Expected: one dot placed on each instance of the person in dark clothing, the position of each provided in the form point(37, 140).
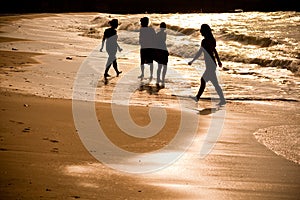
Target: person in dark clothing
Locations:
point(147, 46)
point(208, 47)
point(111, 37)
point(161, 55)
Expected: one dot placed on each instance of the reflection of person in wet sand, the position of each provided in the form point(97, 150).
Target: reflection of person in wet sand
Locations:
point(161, 55)
point(208, 46)
point(147, 43)
point(110, 36)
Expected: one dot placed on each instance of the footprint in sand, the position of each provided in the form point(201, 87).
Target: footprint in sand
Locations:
point(26, 130)
point(54, 150)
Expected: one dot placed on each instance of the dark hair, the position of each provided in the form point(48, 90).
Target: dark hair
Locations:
point(206, 30)
point(144, 21)
point(113, 23)
point(163, 25)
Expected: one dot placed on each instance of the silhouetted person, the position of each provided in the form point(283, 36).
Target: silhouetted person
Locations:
point(161, 54)
point(147, 43)
point(208, 46)
point(111, 37)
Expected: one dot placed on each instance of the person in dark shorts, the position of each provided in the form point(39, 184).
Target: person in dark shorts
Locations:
point(147, 43)
point(208, 47)
point(161, 55)
point(111, 37)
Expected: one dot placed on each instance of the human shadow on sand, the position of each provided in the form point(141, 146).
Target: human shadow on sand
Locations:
point(207, 111)
point(150, 89)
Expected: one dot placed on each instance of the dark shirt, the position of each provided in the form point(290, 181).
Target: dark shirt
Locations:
point(161, 38)
point(109, 32)
point(110, 35)
point(209, 45)
point(147, 38)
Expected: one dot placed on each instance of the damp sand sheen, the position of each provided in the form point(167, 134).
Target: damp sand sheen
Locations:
point(41, 55)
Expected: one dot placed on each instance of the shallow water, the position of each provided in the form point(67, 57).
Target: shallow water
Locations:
point(260, 54)
point(283, 140)
point(260, 51)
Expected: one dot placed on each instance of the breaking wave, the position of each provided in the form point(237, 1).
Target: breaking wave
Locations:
point(181, 42)
point(247, 39)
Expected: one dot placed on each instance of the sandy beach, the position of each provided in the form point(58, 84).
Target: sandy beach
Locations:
point(43, 156)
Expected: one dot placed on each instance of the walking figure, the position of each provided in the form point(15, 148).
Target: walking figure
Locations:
point(147, 46)
point(208, 46)
point(111, 37)
point(161, 55)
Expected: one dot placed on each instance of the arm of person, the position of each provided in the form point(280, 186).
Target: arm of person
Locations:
point(197, 55)
point(217, 57)
point(119, 48)
point(140, 37)
point(102, 45)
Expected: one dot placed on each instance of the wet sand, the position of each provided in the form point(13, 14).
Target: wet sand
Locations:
point(42, 156)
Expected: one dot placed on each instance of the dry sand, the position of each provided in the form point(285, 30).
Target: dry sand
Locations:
point(42, 156)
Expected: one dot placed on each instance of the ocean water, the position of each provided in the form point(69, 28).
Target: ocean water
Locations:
point(260, 54)
point(260, 51)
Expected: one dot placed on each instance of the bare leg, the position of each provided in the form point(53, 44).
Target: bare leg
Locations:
point(142, 71)
point(164, 74)
point(201, 89)
point(110, 60)
point(219, 91)
point(159, 66)
point(151, 71)
point(106, 71)
point(115, 66)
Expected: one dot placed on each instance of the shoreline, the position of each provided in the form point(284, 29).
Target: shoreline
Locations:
point(39, 145)
point(43, 157)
